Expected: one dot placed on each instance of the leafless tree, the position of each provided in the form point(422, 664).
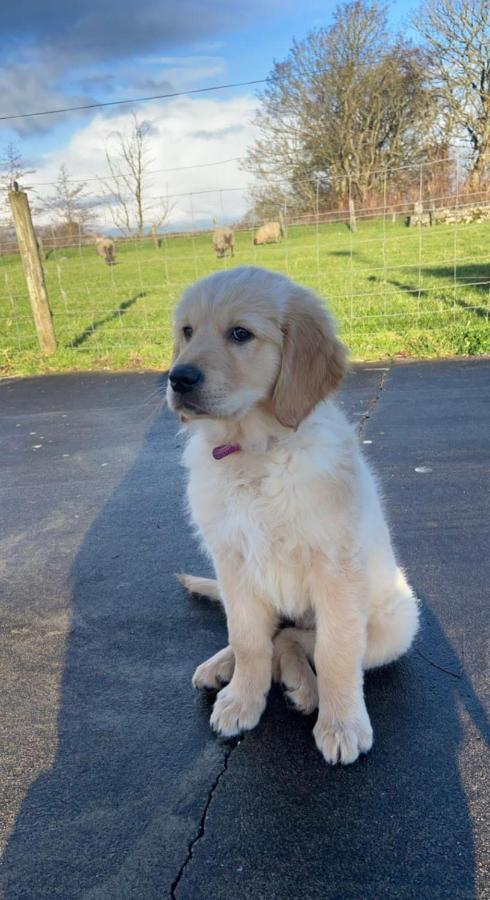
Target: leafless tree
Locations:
point(13, 171)
point(127, 184)
point(69, 207)
point(348, 102)
point(457, 35)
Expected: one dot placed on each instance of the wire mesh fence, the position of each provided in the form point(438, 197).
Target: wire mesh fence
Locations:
point(404, 275)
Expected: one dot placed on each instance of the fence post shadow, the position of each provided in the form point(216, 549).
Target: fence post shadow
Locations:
point(115, 314)
point(483, 287)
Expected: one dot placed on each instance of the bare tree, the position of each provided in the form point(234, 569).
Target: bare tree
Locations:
point(69, 206)
point(348, 102)
point(12, 171)
point(127, 183)
point(457, 35)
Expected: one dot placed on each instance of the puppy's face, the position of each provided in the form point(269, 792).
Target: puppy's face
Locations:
point(248, 337)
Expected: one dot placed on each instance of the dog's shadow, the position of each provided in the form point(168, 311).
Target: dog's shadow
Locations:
point(136, 759)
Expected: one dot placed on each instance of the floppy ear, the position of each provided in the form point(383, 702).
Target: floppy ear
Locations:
point(313, 360)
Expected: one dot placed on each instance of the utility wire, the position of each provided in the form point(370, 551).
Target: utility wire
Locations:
point(218, 162)
point(52, 112)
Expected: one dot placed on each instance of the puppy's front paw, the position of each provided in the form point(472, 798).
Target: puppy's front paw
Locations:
point(215, 672)
point(343, 741)
point(233, 714)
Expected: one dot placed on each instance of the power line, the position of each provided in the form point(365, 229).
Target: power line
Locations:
point(52, 112)
point(218, 162)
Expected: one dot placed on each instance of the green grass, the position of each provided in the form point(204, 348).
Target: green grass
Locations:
point(394, 291)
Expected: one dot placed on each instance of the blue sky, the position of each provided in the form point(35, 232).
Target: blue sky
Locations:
point(58, 53)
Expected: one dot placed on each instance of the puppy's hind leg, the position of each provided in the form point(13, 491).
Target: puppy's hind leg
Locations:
point(292, 647)
point(392, 624)
point(216, 671)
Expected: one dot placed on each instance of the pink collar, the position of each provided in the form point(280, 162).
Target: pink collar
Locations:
point(225, 450)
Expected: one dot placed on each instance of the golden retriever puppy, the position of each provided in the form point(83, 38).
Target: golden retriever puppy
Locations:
point(286, 506)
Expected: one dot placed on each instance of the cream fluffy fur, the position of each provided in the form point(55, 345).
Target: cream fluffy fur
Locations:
point(293, 521)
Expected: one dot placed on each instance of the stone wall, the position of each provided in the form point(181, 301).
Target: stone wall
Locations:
point(463, 215)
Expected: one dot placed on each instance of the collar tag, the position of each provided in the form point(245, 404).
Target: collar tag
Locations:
point(225, 450)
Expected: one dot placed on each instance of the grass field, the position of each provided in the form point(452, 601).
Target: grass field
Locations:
point(394, 291)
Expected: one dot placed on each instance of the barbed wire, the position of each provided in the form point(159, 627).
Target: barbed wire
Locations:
point(326, 176)
point(99, 178)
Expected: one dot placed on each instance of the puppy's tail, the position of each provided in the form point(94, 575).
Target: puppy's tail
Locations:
point(205, 587)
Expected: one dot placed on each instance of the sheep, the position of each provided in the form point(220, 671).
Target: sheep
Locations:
point(106, 248)
point(223, 240)
point(270, 233)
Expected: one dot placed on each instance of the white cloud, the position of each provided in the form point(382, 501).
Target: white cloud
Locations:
point(178, 60)
point(186, 133)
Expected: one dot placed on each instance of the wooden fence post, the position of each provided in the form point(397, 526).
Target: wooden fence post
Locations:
point(157, 241)
point(33, 270)
point(352, 215)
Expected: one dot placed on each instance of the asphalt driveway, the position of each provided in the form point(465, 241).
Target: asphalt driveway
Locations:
point(111, 782)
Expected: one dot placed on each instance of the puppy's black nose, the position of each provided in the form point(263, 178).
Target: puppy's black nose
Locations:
point(185, 378)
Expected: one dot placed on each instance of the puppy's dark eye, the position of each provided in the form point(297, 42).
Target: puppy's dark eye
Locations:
point(240, 335)
point(187, 332)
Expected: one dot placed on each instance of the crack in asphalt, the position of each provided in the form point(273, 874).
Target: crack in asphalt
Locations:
point(229, 750)
point(373, 403)
point(202, 822)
